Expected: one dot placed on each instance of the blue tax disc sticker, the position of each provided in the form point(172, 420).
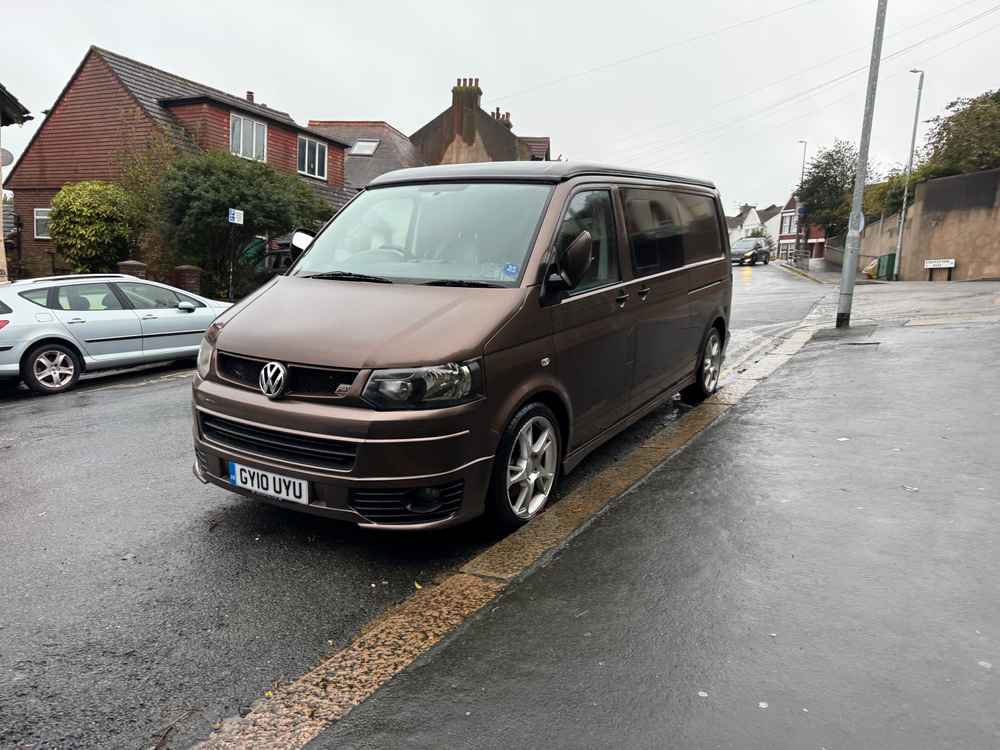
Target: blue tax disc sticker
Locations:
point(510, 270)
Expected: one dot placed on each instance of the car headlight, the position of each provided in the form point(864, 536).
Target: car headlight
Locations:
point(207, 348)
point(425, 387)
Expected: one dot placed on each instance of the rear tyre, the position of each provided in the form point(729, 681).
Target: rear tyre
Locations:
point(51, 368)
point(526, 467)
point(708, 369)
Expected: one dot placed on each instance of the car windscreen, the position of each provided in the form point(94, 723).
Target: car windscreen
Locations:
point(745, 244)
point(462, 232)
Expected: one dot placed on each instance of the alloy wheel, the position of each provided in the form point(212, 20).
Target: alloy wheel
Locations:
point(54, 369)
point(711, 366)
point(531, 467)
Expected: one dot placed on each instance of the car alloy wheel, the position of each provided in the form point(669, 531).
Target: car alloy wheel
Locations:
point(53, 369)
point(711, 365)
point(531, 467)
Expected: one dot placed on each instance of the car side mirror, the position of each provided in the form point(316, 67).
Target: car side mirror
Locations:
point(574, 261)
point(301, 240)
point(185, 306)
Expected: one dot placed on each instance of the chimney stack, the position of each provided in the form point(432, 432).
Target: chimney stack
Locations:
point(250, 96)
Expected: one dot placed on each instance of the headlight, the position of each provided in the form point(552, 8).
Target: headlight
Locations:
point(207, 347)
point(425, 387)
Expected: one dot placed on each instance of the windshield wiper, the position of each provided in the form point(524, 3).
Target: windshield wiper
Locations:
point(348, 276)
point(461, 282)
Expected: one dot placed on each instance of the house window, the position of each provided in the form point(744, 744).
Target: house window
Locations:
point(312, 158)
point(364, 147)
point(247, 138)
point(42, 223)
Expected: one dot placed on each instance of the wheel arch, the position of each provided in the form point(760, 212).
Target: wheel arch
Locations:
point(50, 339)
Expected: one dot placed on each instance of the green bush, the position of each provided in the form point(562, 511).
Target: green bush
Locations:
point(89, 225)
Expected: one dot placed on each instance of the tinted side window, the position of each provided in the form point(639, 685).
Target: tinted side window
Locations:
point(669, 229)
point(702, 240)
point(655, 231)
point(4, 310)
point(147, 296)
point(38, 296)
point(80, 297)
point(592, 211)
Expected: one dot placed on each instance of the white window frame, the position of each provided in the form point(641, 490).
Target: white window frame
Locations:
point(376, 141)
point(326, 146)
point(244, 121)
point(38, 213)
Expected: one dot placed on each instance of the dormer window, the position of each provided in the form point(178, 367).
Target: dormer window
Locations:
point(312, 158)
point(364, 147)
point(247, 138)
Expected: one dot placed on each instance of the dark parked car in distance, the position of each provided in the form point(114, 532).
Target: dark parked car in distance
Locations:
point(751, 250)
point(456, 337)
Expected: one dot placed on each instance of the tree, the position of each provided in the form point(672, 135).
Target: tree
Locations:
point(89, 225)
point(198, 191)
point(826, 189)
point(968, 139)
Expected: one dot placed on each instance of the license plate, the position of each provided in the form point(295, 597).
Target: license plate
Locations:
point(269, 484)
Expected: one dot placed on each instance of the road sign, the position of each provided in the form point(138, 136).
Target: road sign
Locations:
point(6, 158)
point(235, 216)
point(939, 263)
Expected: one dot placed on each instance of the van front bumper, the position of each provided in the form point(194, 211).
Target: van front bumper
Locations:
point(400, 470)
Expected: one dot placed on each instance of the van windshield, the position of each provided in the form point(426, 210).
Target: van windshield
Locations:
point(478, 234)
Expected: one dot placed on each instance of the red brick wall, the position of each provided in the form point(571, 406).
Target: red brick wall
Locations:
point(207, 124)
point(36, 255)
point(81, 138)
point(283, 153)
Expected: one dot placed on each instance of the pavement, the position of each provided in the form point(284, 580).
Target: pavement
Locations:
point(139, 607)
point(817, 569)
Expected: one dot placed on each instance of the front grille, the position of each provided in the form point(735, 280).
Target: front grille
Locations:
point(329, 454)
point(408, 505)
point(304, 381)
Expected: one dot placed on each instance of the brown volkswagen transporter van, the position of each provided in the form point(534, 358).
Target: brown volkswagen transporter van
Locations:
point(458, 336)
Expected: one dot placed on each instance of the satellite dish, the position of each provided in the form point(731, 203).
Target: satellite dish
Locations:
point(6, 158)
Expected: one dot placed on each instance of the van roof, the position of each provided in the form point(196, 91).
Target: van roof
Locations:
point(523, 171)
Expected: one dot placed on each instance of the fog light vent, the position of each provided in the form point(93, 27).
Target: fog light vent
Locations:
point(408, 504)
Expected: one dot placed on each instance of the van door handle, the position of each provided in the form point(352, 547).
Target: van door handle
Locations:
point(71, 321)
point(149, 316)
point(643, 293)
point(621, 299)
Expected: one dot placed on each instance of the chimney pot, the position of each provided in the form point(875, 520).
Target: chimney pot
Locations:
point(458, 81)
point(477, 81)
point(250, 96)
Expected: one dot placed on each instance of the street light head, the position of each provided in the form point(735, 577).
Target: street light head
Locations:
point(916, 70)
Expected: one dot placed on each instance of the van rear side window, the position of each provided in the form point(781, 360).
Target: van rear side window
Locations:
point(38, 296)
point(4, 310)
point(668, 229)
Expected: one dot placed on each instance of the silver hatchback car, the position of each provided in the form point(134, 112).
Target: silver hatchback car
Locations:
point(53, 329)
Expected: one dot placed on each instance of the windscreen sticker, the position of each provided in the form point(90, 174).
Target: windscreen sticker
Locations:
point(510, 270)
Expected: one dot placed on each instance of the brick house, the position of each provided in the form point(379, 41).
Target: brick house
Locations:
point(112, 103)
point(814, 237)
point(462, 133)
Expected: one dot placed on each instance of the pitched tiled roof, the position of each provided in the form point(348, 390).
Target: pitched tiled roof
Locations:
point(766, 214)
point(152, 87)
point(538, 146)
point(11, 110)
point(395, 150)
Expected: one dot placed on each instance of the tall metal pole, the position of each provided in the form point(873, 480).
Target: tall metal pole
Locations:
point(852, 246)
point(802, 176)
point(906, 180)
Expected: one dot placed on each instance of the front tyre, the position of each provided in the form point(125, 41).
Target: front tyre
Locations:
point(708, 370)
point(526, 467)
point(51, 368)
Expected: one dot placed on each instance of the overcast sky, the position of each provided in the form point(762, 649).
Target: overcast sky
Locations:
point(666, 85)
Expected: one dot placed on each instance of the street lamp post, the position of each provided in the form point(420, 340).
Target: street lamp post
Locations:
point(852, 245)
point(906, 180)
point(802, 176)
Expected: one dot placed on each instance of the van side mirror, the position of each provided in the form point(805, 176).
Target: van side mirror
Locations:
point(185, 306)
point(574, 261)
point(301, 240)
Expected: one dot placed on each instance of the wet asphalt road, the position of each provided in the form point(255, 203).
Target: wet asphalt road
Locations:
point(816, 570)
point(134, 599)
